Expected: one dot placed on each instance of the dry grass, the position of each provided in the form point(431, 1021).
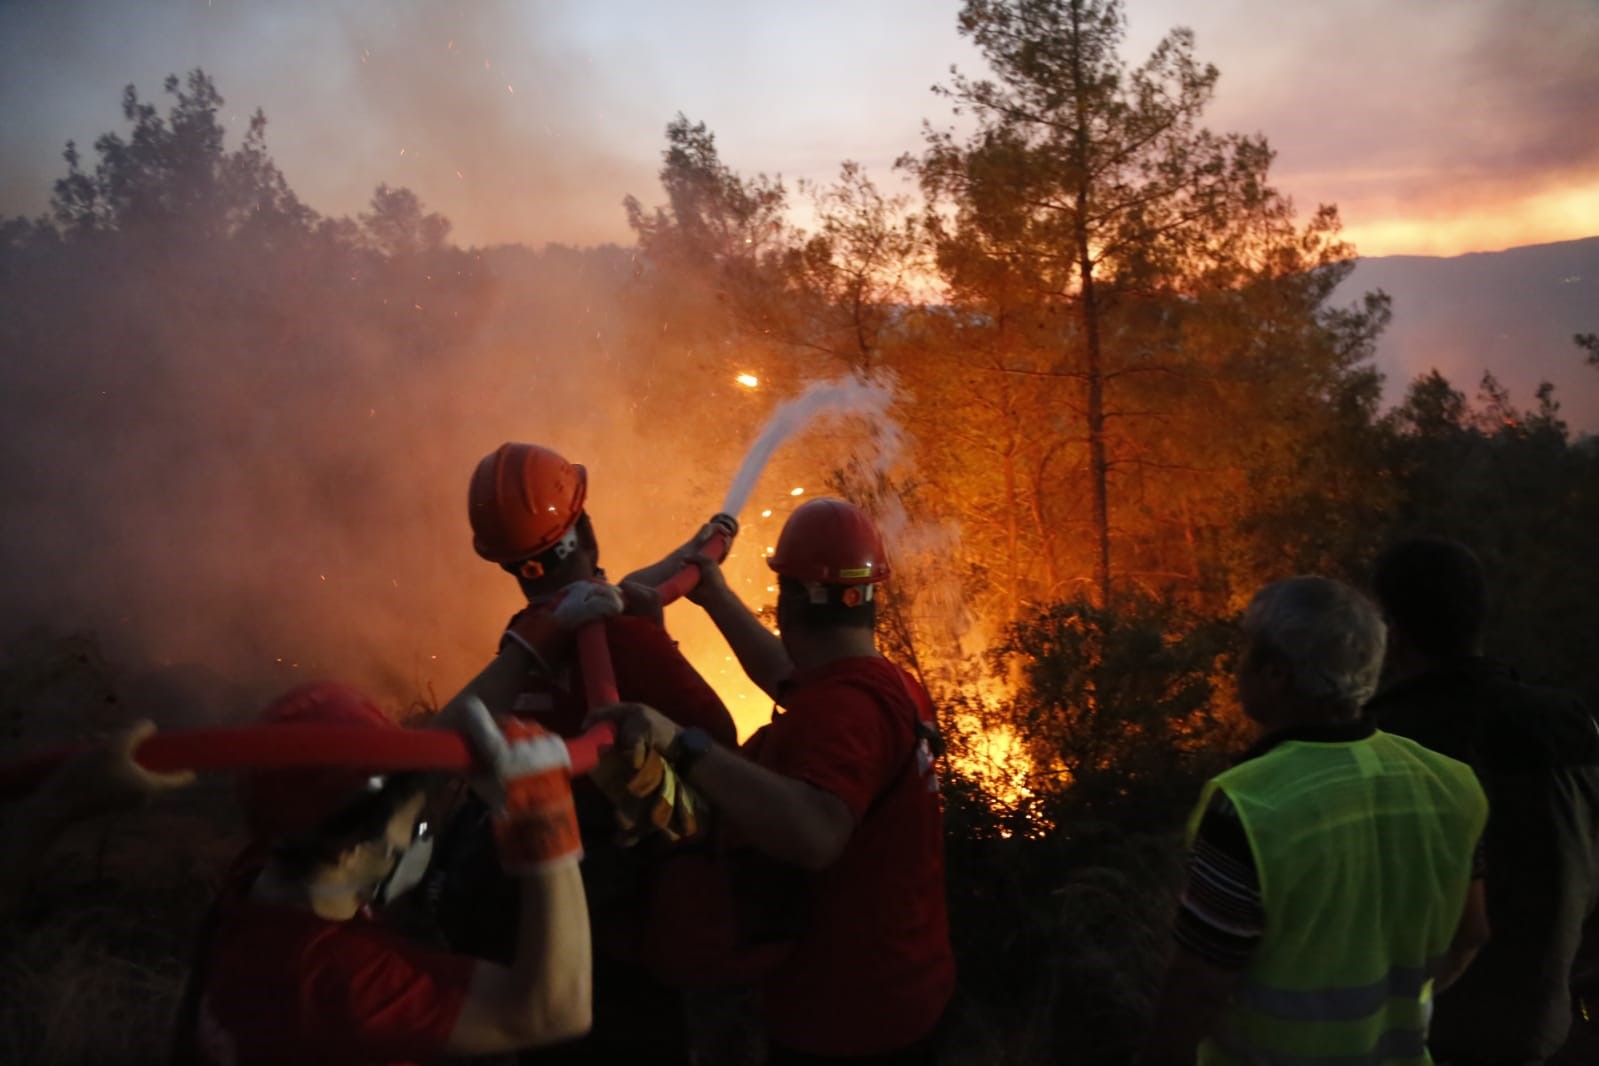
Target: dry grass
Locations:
point(92, 964)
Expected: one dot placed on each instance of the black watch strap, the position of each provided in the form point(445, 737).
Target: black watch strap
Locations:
point(690, 747)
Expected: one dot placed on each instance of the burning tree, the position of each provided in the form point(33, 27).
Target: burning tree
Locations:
point(1103, 254)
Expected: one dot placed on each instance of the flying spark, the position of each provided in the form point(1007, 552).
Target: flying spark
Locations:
point(796, 492)
point(749, 381)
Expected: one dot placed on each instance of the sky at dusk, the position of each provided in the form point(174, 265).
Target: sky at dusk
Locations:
point(1437, 126)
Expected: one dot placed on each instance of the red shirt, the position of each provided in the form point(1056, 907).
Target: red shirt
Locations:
point(649, 669)
point(283, 985)
point(874, 971)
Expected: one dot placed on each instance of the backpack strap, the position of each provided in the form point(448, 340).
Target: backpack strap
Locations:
point(922, 730)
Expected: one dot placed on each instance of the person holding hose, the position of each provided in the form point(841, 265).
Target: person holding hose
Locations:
point(839, 789)
point(527, 507)
point(294, 965)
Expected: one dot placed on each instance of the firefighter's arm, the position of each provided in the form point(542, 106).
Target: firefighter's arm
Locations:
point(545, 995)
point(1192, 997)
point(496, 685)
point(659, 572)
point(788, 819)
point(760, 652)
point(1470, 937)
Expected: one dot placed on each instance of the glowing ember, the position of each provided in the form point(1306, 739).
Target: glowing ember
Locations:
point(749, 381)
point(796, 492)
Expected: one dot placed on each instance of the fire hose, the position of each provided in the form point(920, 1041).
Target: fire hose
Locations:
point(309, 746)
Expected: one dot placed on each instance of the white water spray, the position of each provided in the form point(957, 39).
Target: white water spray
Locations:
point(843, 398)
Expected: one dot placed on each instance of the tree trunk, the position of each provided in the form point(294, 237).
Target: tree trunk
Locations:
point(1012, 531)
point(1098, 463)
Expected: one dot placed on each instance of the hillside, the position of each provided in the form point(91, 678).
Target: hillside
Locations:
point(1511, 312)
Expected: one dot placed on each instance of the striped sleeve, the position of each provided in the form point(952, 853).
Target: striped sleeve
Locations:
point(1220, 916)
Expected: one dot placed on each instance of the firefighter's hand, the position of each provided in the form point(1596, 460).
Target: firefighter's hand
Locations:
point(724, 524)
point(587, 601)
point(721, 524)
point(712, 584)
point(107, 778)
point(637, 726)
point(527, 783)
point(649, 797)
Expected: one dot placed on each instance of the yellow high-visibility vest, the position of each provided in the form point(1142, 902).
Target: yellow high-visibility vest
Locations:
point(1364, 853)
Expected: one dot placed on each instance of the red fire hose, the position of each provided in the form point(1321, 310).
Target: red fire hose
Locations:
point(282, 746)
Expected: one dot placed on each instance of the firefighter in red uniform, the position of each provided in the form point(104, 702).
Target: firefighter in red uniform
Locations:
point(294, 965)
point(840, 788)
point(526, 505)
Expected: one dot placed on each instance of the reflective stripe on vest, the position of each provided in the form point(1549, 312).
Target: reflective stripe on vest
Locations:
point(1341, 1004)
point(1363, 850)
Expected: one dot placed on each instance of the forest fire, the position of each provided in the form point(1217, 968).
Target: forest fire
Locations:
point(1094, 388)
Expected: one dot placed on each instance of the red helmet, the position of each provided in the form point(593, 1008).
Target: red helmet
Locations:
point(284, 803)
point(523, 501)
point(832, 542)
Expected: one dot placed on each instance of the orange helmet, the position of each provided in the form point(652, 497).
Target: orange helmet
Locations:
point(831, 542)
point(285, 803)
point(524, 500)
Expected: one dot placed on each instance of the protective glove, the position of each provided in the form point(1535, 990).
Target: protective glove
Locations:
point(588, 601)
point(528, 787)
point(649, 796)
point(545, 629)
point(724, 524)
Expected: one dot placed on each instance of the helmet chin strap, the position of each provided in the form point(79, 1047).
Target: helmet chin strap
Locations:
point(534, 568)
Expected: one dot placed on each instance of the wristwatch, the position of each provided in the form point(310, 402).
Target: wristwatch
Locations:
point(690, 746)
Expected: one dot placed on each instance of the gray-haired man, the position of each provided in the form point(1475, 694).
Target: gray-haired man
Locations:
point(1331, 885)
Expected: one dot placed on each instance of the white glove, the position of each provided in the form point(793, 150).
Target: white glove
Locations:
point(590, 601)
point(504, 761)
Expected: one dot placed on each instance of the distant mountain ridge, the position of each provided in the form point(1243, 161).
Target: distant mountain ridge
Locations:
point(1511, 312)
